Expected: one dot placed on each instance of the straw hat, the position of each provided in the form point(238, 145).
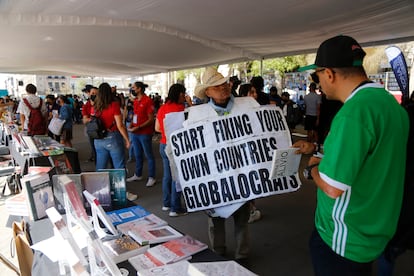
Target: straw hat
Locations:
point(210, 78)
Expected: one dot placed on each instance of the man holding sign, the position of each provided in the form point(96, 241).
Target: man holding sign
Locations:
point(222, 156)
point(216, 87)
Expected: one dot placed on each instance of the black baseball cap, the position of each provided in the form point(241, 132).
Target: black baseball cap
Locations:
point(141, 84)
point(87, 88)
point(338, 52)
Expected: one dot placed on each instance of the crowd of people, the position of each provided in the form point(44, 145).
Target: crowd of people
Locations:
point(344, 117)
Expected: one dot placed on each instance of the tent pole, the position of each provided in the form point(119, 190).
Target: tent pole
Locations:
point(261, 67)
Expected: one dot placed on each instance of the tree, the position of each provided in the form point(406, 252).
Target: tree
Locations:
point(279, 66)
point(181, 75)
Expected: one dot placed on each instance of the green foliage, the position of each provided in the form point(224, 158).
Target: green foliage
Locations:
point(244, 68)
point(278, 66)
point(182, 74)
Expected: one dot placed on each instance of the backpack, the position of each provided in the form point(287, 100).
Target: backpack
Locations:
point(295, 115)
point(130, 114)
point(37, 122)
point(96, 129)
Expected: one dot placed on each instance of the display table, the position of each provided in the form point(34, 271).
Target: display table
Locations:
point(42, 265)
point(45, 156)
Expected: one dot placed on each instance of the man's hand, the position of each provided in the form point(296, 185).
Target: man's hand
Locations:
point(314, 160)
point(304, 147)
point(132, 129)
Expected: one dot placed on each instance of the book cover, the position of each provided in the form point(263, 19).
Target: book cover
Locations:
point(62, 164)
point(97, 183)
point(144, 261)
point(154, 235)
point(30, 145)
point(149, 221)
point(38, 169)
point(123, 248)
point(74, 199)
point(117, 178)
point(39, 194)
point(58, 189)
point(177, 249)
point(219, 268)
point(17, 205)
point(127, 214)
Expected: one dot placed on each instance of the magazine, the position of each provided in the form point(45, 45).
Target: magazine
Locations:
point(154, 235)
point(127, 214)
point(177, 249)
point(170, 252)
point(149, 221)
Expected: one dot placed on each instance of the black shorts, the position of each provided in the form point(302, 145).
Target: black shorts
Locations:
point(310, 122)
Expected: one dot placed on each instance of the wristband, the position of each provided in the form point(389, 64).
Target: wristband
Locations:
point(307, 171)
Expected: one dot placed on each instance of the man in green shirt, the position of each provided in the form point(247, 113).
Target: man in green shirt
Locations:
point(360, 176)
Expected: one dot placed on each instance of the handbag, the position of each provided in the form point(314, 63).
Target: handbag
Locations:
point(95, 128)
point(23, 241)
point(56, 125)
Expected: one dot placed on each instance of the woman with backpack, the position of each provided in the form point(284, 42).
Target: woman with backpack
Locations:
point(32, 110)
point(112, 146)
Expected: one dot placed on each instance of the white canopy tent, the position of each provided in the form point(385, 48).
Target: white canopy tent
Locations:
point(137, 37)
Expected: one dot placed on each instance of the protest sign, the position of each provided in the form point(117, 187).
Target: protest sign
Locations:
point(223, 160)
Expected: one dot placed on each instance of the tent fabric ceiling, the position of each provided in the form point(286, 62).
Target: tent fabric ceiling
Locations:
point(137, 37)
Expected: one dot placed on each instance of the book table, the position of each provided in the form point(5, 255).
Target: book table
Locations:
point(42, 265)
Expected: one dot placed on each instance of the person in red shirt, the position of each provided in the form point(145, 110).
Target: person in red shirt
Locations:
point(142, 128)
point(87, 112)
point(171, 198)
point(111, 146)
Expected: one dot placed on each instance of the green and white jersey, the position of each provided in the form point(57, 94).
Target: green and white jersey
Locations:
point(365, 154)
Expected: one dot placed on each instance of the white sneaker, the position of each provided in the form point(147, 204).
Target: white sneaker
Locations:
point(151, 182)
point(134, 178)
point(131, 196)
point(254, 216)
point(176, 214)
point(165, 208)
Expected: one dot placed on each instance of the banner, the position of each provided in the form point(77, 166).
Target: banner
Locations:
point(399, 67)
point(228, 159)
